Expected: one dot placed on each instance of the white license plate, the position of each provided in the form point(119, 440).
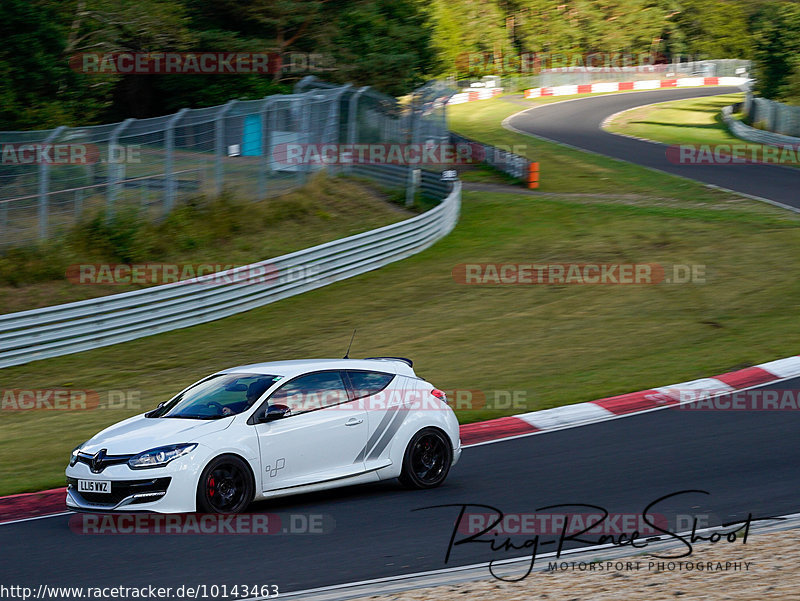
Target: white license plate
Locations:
point(99, 486)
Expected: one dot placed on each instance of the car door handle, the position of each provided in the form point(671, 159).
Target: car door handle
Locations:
point(354, 421)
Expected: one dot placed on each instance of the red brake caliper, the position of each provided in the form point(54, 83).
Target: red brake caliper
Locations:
point(211, 487)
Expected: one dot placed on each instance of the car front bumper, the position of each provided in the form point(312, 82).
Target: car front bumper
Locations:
point(168, 489)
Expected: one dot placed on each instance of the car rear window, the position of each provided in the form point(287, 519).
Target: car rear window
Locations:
point(366, 383)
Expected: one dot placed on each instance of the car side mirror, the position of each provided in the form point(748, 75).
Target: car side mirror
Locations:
point(152, 411)
point(274, 412)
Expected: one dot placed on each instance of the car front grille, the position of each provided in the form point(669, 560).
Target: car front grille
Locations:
point(97, 463)
point(150, 490)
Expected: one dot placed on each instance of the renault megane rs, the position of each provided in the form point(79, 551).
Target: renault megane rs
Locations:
point(269, 430)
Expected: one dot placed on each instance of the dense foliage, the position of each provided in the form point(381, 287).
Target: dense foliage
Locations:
point(393, 45)
point(776, 51)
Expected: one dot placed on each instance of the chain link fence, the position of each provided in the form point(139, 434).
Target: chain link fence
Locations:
point(51, 179)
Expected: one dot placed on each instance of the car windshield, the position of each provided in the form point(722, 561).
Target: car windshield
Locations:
point(218, 396)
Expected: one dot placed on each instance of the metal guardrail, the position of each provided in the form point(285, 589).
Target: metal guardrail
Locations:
point(514, 165)
point(397, 177)
point(772, 116)
point(751, 134)
point(84, 325)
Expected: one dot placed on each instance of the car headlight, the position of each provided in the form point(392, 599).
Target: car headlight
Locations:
point(160, 457)
point(73, 457)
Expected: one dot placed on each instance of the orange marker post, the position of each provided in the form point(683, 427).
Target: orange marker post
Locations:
point(533, 175)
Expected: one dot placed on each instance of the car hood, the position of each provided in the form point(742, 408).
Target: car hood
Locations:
point(138, 434)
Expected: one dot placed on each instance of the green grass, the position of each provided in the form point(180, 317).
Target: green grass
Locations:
point(554, 344)
point(692, 121)
point(564, 170)
point(226, 231)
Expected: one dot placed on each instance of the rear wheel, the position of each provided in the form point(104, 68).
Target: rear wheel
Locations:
point(225, 486)
point(427, 460)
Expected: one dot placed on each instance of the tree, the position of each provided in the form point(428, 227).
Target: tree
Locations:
point(382, 43)
point(712, 29)
point(776, 50)
point(38, 89)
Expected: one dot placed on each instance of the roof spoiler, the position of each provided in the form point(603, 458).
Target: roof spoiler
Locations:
point(408, 362)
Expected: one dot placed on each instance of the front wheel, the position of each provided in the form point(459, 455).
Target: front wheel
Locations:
point(225, 486)
point(427, 460)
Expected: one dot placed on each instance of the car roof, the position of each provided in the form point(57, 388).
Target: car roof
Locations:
point(298, 366)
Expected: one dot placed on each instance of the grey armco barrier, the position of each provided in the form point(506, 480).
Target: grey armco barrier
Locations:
point(751, 134)
point(89, 324)
point(512, 164)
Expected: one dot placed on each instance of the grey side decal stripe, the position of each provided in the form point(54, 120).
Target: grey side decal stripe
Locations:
point(399, 417)
point(377, 433)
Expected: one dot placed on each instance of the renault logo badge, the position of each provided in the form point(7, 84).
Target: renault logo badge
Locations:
point(97, 461)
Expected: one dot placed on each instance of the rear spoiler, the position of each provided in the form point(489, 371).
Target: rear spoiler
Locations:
point(408, 362)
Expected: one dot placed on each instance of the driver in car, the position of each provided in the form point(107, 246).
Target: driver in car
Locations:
point(254, 392)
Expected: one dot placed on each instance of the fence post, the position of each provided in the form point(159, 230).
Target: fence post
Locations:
point(771, 114)
point(44, 186)
point(747, 106)
point(352, 116)
point(335, 116)
point(265, 165)
point(330, 132)
point(414, 178)
point(169, 148)
point(308, 80)
point(219, 144)
point(114, 168)
point(416, 123)
point(352, 119)
point(309, 99)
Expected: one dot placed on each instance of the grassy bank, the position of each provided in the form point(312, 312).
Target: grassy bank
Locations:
point(223, 231)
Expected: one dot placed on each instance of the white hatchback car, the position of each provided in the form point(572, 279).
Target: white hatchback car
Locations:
point(269, 430)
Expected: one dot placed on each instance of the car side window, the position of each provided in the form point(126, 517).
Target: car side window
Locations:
point(367, 383)
point(310, 392)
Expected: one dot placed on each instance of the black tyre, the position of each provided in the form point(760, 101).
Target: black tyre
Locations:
point(225, 486)
point(427, 460)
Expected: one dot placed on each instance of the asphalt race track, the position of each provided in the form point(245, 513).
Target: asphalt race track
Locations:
point(746, 461)
point(577, 123)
